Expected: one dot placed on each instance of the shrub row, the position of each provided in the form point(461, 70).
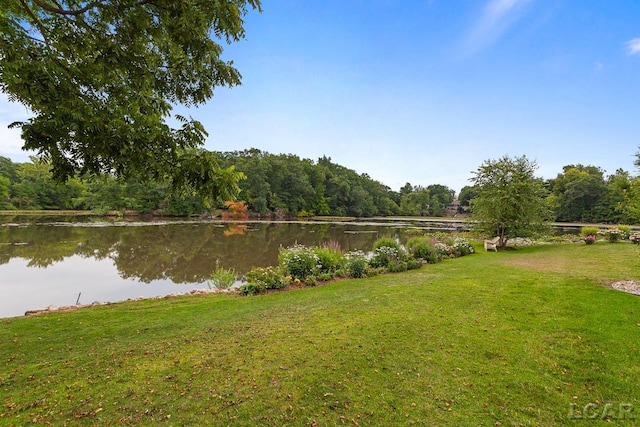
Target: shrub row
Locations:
point(612, 234)
point(306, 266)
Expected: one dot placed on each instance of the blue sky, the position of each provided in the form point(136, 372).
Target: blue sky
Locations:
point(423, 91)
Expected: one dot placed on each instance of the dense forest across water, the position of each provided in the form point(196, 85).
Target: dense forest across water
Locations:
point(284, 185)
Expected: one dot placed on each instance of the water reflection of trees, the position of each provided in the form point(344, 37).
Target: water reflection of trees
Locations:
point(181, 252)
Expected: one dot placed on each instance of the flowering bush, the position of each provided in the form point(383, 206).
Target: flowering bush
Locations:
point(300, 264)
point(462, 247)
point(590, 239)
point(422, 248)
point(356, 263)
point(612, 234)
point(443, 250)
point(635, 237)
point(299, 261)
point(384, 256)
point(267, 277)
point(625, 230)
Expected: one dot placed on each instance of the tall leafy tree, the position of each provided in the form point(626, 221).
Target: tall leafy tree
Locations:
point(416, 202)
point(101, 78)
point(630, 205)
point(610, 206)
point(8, 168)
point(441, 196)
point(4, 193)
point(467, 193)
point(576, 193)
point(7, 176)
point(34, 188)
point(510, 199)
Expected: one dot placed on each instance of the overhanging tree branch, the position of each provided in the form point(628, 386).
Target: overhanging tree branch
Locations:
point(36, 22)
point(105, 83)
point(57, 9)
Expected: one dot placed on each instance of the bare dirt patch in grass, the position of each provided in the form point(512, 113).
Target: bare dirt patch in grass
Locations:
point(543, 262)
point(605, 263)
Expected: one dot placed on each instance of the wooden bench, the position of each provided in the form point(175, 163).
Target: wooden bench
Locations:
point(492, 244)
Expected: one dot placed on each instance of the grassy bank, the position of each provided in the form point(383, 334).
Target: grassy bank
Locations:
point(525, 337)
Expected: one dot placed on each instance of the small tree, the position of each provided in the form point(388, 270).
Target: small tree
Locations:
point(235, 210)
point(510, 200)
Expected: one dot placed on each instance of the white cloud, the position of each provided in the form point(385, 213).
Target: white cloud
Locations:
point(633, 46)
point(497, 17)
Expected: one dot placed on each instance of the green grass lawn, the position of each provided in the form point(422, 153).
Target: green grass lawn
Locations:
point(532, 336)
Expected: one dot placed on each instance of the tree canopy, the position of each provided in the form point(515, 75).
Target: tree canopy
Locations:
point(510, 200)
point(467, 193)
point(630, 205)
point(576, 192)
point(281, 185)
point(284, 184)
point(429, 201)
point(101, 78)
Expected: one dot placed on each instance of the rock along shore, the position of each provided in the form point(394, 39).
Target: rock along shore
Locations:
point(65, 308)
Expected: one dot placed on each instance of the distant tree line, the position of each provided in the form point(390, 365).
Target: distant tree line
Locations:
point(585, 194)
point(281, 185)
point(30, 186)
point(285, 185)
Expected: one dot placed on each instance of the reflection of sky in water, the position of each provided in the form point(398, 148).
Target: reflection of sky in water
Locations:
point(24, 288)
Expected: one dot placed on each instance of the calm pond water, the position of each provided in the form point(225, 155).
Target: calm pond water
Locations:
point(45, 262)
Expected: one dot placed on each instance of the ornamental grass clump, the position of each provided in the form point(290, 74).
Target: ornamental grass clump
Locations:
point(589, 230)
point(388, 242)
point(221, 278)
